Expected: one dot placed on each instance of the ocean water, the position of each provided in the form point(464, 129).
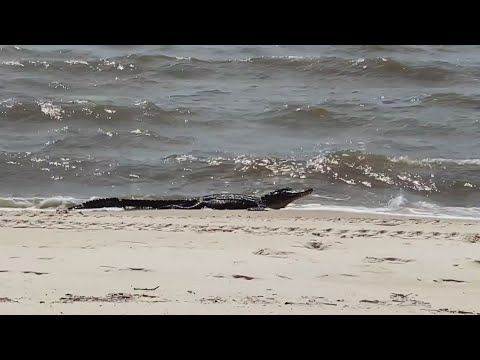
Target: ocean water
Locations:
point(370, 128)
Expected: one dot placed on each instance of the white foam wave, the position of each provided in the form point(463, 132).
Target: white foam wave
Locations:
point(397, 202)
point(13, 63)
point(37, 203)
point(400, 206)
point(54, 111)
point(76, 62)
point(435, 161)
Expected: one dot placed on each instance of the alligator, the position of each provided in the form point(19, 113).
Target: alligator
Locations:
point(276, 199)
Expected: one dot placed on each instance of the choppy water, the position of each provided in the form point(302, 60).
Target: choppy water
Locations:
point(368, 127)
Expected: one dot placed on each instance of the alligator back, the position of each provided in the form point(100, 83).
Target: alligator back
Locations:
point(157, 204)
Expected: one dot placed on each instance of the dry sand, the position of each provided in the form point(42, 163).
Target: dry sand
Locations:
point(236, 262)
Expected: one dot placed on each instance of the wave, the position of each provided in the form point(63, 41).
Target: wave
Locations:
point(86, 111)
point(62, 161)
point(453, 100)
point(423, 175)
point(186, 67)
point(372, 67)
point(71, 66)
point(129, 65)
point(37, 202)
point(354, 168)
point(302, 117)
point(438, 161)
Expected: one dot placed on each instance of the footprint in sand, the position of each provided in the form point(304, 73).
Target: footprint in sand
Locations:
point(391, 260)
point(450, 280)
point(34, 272)
point(136, 269)
point(5, 300)
point(284, 277)
point(108, 268)
point(245, 277)
point(473, 238)
point(316, 245)
point(348, 275)
point(273, 253)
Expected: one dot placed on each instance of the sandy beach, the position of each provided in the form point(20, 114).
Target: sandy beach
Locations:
point(236, 262)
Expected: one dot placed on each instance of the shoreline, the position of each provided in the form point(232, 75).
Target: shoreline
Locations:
point(288, 212)
point(237, 262)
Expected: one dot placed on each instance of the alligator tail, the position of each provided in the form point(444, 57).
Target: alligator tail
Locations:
point(98, 203)
point(134, 203)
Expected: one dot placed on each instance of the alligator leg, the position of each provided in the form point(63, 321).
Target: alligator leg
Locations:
point(197, 206)
point(258, 208)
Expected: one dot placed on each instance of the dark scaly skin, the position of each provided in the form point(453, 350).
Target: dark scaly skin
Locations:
point(226, 202)
point(276, 199)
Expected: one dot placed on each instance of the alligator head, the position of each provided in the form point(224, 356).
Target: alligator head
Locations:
point(280, 198)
